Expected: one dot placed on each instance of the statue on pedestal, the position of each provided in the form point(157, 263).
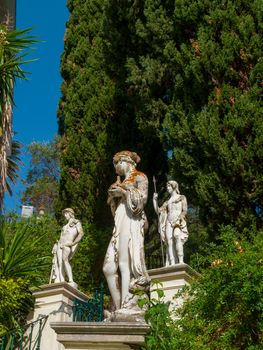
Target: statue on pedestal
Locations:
point(172, 223)
point(124, 264)
point(65, 248)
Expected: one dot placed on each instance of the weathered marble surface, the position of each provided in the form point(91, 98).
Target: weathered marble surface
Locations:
point(101, 336)
point(64, 249)
point(171, 280)
point(172, 223)
point(56, 302)
point(124, 265)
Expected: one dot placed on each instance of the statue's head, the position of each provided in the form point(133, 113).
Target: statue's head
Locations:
point(173, 185)
point(68, 213)
point(126, 156)
point(125, 160)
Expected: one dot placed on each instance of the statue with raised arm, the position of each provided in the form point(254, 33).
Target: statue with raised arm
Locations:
point(172, 223)
point(124, 264)
point(65, 248)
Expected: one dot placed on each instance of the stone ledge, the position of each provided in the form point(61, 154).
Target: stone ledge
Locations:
point(173, 279)
point(59, 288)
point(176, 271)
point(75, 335)
point(100, 327)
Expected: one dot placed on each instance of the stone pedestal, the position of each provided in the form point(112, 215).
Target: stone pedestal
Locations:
point(100, 336)
point(60, 333)
point(54, 300)
point(173, 278)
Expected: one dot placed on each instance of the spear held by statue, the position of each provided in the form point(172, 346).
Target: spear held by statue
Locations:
point(157, 212)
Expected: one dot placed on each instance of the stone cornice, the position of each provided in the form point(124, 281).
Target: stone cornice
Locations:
point(59, 288)
point(176, 271)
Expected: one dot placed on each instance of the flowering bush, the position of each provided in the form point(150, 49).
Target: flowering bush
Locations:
point(224, 306)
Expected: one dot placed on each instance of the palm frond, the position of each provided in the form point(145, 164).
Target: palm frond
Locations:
point(20, 39)
point(13, 49)
point(17, 258)
point(14, 46)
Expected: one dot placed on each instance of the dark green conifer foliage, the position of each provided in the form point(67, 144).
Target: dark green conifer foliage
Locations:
point(85, 109)
point(182, 79)
point(97, 114)
point(121, 43)
point(200, 79)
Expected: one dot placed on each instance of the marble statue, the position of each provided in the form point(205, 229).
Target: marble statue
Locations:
point(172, 223)
point(124, 264)
point(64, 249)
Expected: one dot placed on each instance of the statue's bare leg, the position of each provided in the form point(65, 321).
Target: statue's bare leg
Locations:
point(110, 269)
point(169, 239)
point(124, 265)
point(65, 255)
point(68, 269)
point(179, 246)
point(60, 265)
point(56, 270)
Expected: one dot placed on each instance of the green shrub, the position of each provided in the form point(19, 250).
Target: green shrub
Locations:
point(223, 308)
point(15, 302)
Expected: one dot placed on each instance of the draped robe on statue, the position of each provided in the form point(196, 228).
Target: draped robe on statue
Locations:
point(130, 219)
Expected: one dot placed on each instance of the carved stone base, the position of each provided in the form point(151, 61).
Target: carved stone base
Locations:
point(173, 278)
point(128, 315)
point(100, 336)
point(54, 300)
point(130, 311)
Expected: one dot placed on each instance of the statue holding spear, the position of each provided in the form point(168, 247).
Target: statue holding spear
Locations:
point(172, 222)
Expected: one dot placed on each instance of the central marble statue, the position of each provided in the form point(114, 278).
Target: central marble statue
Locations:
point(124, 264)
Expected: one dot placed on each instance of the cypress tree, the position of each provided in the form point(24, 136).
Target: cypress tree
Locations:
point(201, 81)
point(85, 109)
point(97, 113)
point(179, 80)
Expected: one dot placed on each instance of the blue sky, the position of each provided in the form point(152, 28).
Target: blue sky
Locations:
point(34, 116)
